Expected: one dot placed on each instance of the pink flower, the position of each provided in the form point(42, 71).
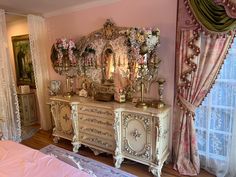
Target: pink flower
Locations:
point(65, 47)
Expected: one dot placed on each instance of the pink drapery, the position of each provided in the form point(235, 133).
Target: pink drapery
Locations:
point(198, 62)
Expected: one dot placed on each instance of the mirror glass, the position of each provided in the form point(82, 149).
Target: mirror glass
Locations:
point(108, 61)
point(104, 57)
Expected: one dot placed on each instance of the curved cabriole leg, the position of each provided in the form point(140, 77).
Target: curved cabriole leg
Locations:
point(155, 170)
point(118, 161)
point(76, 147)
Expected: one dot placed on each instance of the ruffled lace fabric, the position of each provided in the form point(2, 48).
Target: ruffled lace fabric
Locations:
point(9, 109)
point(39, 54)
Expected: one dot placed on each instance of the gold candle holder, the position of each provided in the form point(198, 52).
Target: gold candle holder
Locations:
point(69, 86)
point(69, 79)
point(141, 103)
point(160, 103)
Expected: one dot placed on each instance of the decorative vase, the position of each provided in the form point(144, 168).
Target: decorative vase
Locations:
point(55, 87)
point(160, 103)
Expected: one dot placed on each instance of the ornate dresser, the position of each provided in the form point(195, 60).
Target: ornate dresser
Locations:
point(114, 63)
point(119, 129)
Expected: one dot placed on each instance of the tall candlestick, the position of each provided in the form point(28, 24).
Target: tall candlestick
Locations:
point(141, 103)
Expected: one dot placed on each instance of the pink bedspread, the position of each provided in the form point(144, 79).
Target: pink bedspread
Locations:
point(17, 160)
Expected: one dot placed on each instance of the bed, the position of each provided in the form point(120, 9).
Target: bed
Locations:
point(17, 160)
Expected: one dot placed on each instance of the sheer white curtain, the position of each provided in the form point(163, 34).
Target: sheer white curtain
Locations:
point(216, 122)
point(232, 158)
point(39, 51)
point(9, 109)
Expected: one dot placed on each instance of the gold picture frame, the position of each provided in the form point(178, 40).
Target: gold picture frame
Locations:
point(23, 61)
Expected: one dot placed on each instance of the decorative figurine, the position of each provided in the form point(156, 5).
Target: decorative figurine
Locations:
point(120, 96)
point(83, 92)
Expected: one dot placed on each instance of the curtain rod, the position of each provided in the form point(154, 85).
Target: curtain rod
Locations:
point(14, 13)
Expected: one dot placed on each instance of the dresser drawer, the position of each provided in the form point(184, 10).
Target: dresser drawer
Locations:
point(106, 145)
point(97, 131)
point(96, 112)
point(92, 120)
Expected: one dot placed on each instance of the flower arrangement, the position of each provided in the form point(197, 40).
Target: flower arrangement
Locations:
point(64, 51)
point(143, 41)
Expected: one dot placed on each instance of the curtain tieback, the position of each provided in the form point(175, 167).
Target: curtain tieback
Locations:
point(187, 104)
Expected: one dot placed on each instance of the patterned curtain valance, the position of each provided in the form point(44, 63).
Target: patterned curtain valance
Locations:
point(229, 5)
point(211, 17)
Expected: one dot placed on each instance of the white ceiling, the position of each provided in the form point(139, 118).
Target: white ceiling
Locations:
point(42, 7)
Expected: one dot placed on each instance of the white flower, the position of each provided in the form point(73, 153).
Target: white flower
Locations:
point(143, 38)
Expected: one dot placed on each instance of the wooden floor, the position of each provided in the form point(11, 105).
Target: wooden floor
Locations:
point(44, 138)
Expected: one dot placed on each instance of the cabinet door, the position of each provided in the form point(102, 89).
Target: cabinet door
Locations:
point(61, 113)
point(27, 107)
point(64, 121)
point(136, 136)
point(32, 108)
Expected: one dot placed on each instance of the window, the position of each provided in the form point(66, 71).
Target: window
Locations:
point(214, 118)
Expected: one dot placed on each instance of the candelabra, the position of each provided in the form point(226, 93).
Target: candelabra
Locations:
point(141, 103)
point(66, 68)
point(160, 103)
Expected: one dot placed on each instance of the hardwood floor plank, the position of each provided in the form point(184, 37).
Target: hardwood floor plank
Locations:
point(44, 138)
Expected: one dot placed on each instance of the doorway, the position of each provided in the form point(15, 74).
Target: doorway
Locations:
point(19, 54)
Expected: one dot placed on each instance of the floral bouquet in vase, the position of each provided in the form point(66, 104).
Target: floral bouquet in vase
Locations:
point(143, 42)
point(64, 52)
point(64, 56)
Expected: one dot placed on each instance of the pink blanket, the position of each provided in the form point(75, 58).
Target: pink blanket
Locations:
point(17, 160)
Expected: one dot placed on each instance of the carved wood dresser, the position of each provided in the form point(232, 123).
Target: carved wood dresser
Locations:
point(119, 129)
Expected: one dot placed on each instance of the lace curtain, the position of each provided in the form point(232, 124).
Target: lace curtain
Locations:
point(216, 123)
point(9, 110)
point(39, 52)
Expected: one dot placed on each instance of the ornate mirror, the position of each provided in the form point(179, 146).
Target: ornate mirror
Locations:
point(111, 57)
point(104, 58)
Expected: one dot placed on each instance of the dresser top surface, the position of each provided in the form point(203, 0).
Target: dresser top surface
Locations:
point(108, 105)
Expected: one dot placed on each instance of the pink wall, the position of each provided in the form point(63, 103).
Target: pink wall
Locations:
point(130, 13)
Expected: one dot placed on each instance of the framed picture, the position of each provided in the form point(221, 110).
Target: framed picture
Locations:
point(23, 61)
